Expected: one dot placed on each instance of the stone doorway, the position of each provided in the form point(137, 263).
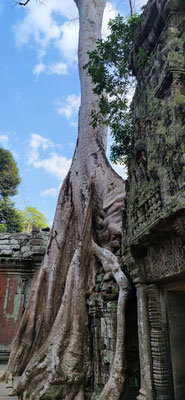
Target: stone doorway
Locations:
point(176, 321)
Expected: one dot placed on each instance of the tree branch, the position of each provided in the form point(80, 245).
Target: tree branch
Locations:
point(24, 4)
point(131, 7)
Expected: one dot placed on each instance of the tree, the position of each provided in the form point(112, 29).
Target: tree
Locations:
point(32, 217)
point(9, 174)
point(52, 346)
point(10, 217)
point(110, 70)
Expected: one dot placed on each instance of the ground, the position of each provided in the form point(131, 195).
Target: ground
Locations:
point(4, 390)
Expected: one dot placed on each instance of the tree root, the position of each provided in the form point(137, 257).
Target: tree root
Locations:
point(67, 338)
point(115, 384)
point(62, 365)
point(35, 383)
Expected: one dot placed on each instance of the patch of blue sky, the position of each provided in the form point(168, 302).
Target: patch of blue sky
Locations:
point(40, 94)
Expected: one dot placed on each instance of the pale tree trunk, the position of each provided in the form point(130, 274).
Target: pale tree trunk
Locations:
point(51, 349)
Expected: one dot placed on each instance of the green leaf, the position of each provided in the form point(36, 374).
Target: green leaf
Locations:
point(109, 68)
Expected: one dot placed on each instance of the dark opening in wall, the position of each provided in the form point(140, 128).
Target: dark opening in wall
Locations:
point(165, 90)
point(184, 49)
point(139, 252)
point(132, 379)
point(176, 312)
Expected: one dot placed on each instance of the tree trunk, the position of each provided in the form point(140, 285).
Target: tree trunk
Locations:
point(51, 349)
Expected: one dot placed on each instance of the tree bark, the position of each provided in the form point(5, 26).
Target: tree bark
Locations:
point(51, 349)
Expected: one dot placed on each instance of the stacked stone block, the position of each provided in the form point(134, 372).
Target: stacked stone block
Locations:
point(102, 310)
point(20, 257)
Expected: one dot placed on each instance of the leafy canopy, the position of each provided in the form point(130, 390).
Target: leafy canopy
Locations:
point(9, 174)
point(31, 217)
point(11, 219)
point(111, 75)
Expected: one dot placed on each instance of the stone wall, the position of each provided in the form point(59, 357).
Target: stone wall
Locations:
point(23, 246)
point(102, 311)
point(155, 222)
point(156, 183)
point(20, 257)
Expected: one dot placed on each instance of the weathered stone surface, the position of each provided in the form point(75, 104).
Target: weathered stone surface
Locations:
point(23, 245)
point(155, 223)
point(20, 258)
point(102, 310)
point(156, 181)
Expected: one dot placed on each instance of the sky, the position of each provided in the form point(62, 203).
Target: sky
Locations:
point(40, 93)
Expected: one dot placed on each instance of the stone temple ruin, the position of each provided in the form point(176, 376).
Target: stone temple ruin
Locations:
point(154, 217)
point(20, 258)
point(155, 223)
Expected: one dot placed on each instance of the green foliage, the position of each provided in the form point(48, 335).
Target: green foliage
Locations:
point(111, 75)
point(13, 220)
point(31, 217)
point(10, 217)
point(2, 228)
point(9, 175)
point(142, 55)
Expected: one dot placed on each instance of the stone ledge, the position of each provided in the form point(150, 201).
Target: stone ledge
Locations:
point(23, 246)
